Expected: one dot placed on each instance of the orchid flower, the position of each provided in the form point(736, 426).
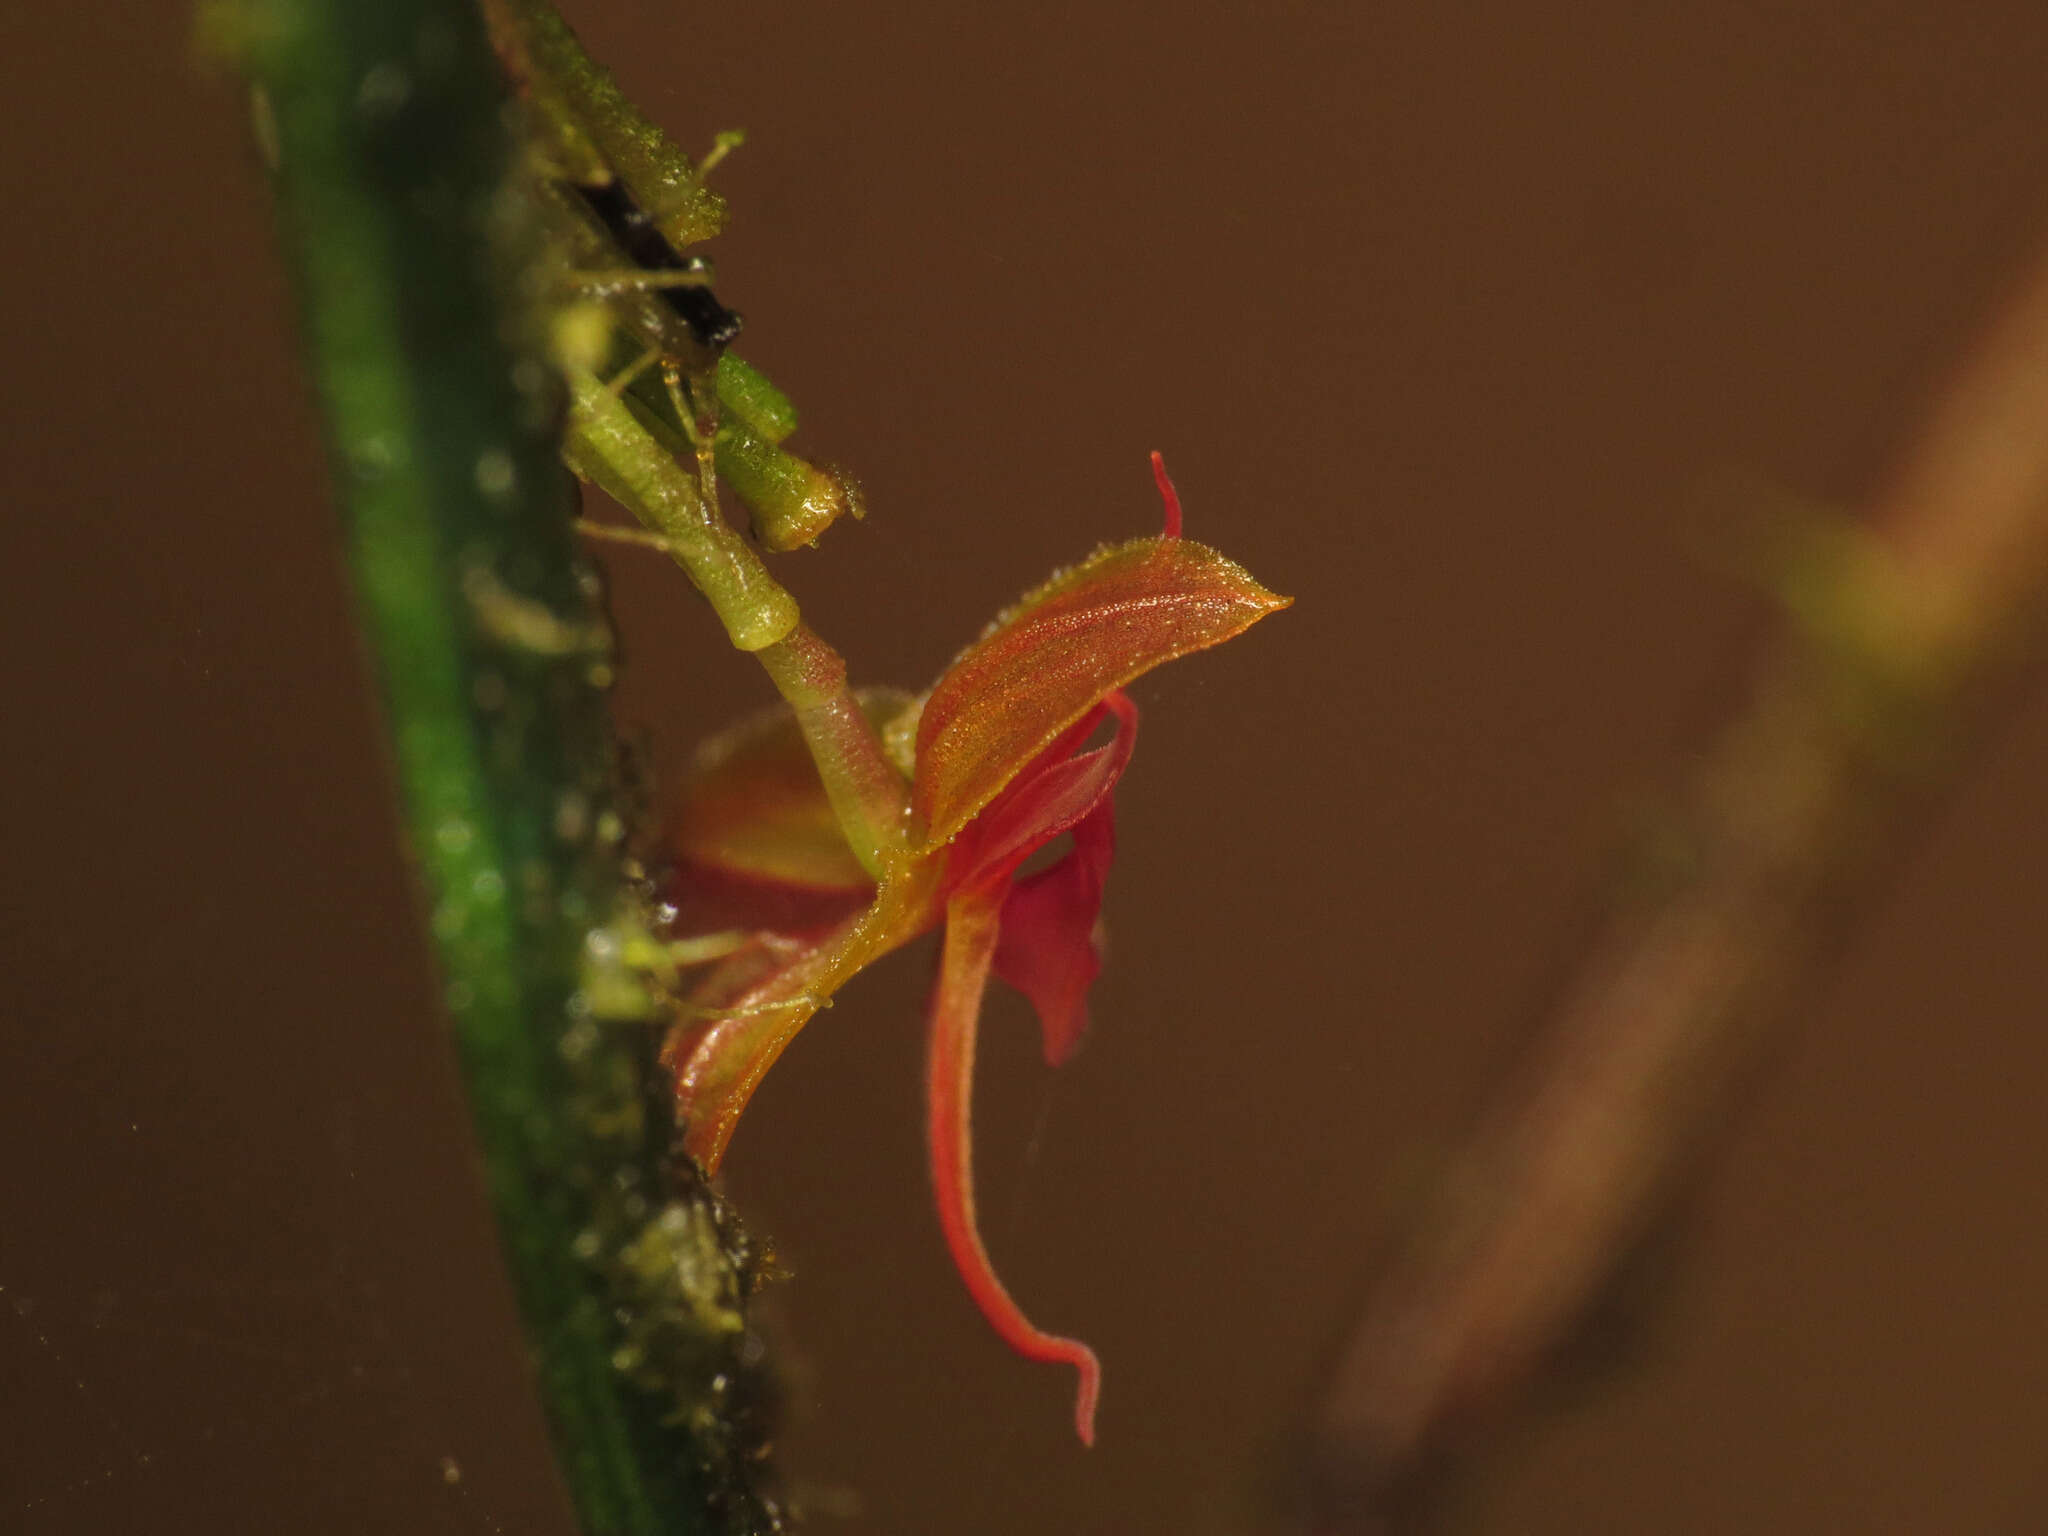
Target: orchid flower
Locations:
point(996, 773)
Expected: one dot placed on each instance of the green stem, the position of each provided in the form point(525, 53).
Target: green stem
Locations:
point(386, 122)
point(868, 795)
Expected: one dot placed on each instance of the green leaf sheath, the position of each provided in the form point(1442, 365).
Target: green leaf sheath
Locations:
point(385, 121)
point(592, 122)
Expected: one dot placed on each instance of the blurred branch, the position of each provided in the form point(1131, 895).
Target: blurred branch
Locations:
point(1852, 714)
point(386, 125)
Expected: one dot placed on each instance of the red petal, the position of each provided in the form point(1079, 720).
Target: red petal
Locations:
point(971, 919)
point(1121, 612)
point(1047, 949)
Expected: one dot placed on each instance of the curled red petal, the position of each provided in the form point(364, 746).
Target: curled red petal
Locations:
point(971, 921)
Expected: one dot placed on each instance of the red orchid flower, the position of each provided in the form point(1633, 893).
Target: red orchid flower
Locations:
point(996, 774)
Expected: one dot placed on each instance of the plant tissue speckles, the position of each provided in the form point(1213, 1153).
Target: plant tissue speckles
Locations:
point(527, 624)
point(497, 477)
point(384, 91)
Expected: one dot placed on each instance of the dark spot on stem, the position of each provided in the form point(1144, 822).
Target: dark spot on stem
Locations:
point(647, 247)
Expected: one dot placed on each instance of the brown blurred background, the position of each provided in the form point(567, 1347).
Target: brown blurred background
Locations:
point(1443, 317)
